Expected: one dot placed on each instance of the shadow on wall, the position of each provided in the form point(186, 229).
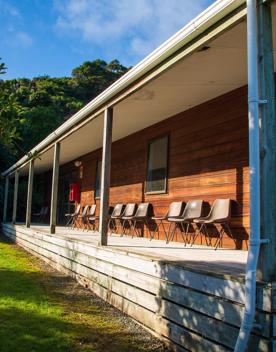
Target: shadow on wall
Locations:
point(177, 231)
point(202, 311)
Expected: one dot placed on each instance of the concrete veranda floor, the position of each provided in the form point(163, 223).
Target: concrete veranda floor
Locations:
point(202, 258)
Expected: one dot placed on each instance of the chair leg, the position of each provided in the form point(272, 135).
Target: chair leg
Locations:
point(152, 233)
point(207, 236)
point(133, 227)
point(114, 222)
point(68, 221)
point(184, 232)
point(73, 223)
point(146, 223)
point(221, 233)
point(198, 232)
point(128, 233)
point(123, 228)
point(120, 228)
point(108, 226)
point(169, 232)
point(174, 231)
point(230, 233)
point(219, 240)
point(135, 230)
point(165, 232)
point(87, 224)
point(76, 223)
point(91, 225)
point(187, 232)
point(114, 225)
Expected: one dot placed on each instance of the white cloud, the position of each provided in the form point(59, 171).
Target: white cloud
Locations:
point(24, 39)
point(134, 27)
point(8, 9)
point(18, 39)
point(14, 34)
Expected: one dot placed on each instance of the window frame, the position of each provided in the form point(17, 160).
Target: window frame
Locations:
point(95, 187)
point(150, 141)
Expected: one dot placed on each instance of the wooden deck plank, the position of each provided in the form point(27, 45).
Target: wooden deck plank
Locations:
point(222, 261)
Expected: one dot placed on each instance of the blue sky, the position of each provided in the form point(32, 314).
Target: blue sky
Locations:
point(51, 37)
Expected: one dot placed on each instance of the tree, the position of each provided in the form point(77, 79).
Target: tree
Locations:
point(3, 68)
point(32, 108)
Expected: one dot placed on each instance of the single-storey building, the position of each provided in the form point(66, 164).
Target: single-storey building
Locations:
point(195, 120)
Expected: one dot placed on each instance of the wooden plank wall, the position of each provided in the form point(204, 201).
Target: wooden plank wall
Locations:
point(191, 310)
point(208, 159)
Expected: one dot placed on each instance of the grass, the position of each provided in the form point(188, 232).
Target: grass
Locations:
point(42, 310)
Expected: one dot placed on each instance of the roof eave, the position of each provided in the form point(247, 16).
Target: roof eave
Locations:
point(206, 19)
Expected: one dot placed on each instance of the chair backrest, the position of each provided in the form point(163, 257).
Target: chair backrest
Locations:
point(85, 210)
point(142, 210)
point(130, 209)
point(92, 210)
point(78, 208)
point(193, 209)
point(175, 209)
point(221, 209)
point(41, 212)
point(118, 209)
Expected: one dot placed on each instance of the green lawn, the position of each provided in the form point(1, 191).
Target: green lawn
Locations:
point(42, 310)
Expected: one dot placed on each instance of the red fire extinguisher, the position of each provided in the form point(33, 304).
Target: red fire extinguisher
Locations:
point(74, 194)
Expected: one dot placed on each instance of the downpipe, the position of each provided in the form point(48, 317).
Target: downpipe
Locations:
point(254, 167)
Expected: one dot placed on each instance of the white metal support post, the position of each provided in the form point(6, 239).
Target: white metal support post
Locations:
point(30, 193)
point(15, 196)
point(105, 179)
point(54, 195)
point(6, 199)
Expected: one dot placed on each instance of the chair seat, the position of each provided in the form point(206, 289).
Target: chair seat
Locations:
point(93, 218)
point(127, 217)
point(69, 214)
point(180, 219)
point(176, 219)
point(159, 218)
point(210, 221)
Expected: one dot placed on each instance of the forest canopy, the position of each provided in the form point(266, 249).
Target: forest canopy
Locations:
point(30, 109)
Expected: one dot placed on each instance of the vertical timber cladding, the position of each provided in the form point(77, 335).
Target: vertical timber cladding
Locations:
point(208, 159)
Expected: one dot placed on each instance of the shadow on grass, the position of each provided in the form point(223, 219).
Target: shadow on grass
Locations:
point(47, 311)
point(24, 330)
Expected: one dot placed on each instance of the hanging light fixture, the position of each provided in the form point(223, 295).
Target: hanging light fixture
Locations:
point(77, 163)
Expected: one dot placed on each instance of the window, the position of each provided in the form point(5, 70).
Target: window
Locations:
point(157, 166)
point(98, 179)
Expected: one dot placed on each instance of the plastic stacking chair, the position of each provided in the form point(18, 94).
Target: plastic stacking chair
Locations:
point(72, 217)
point(141, 216)
point(92, 218)
point(44, 214)
point(116, 216)
point(174, 211)
point(127, 217)
point(39, 214)
point(81, 217)
point(220, 214)
point(192, 211)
